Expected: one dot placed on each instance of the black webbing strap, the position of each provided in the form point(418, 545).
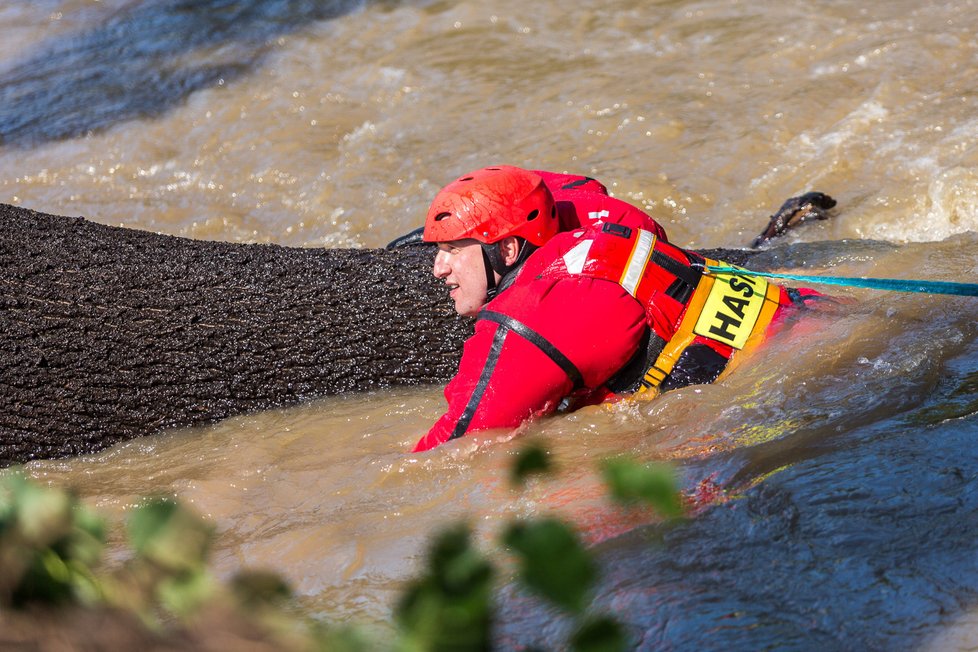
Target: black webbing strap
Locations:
point(686, 273)
point(506, 325)
point(490, 276)
point(687, 278)
point(480, 387)
point(539, 341)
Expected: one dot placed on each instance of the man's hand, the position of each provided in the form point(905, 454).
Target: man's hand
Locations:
point(795, 211)
point(411, 239)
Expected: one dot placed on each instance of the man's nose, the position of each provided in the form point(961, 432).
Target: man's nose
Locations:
point(441, 268)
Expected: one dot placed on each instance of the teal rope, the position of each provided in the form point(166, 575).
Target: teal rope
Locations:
point(894, 284)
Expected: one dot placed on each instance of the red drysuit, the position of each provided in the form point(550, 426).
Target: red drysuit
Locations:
point(590, 311)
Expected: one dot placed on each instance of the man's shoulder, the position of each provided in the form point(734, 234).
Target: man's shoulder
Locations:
point(566, 253)
point(562, 183)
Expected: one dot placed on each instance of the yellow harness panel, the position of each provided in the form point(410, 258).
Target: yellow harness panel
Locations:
point(728, 308)
point(732, 309)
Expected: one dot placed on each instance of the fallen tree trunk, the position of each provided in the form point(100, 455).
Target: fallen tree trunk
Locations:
point(111, 333)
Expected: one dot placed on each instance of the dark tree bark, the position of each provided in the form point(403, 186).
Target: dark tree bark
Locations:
point(108, 334)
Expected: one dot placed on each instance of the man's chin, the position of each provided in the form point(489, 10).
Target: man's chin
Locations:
point(467, 310)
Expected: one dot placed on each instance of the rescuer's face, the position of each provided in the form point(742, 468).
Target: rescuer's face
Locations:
point(461, 266)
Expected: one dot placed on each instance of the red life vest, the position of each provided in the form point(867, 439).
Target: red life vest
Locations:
point(683, 306)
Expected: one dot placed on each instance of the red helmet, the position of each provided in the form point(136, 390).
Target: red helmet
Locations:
point(491, 204)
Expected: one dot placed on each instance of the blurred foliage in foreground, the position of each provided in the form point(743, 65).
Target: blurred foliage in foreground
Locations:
point(164, 597)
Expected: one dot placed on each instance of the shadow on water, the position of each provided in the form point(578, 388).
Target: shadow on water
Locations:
point(863, 541)
point(142, 62)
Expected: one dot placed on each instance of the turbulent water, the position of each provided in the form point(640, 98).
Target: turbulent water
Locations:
point(846, 445)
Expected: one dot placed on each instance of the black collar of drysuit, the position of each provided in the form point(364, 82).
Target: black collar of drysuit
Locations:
point(493, 263)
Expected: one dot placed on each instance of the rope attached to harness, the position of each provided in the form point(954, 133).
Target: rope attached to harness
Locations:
point(892, 284)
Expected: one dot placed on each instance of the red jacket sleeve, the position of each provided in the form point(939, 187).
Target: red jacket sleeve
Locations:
point(502, 381)
point(517, 367)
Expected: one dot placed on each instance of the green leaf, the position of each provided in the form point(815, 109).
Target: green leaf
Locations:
point(346, 638)
point(184, 594)
point(43, 514)
point(602, 634)
point(46, 580)
point(652, 484)
point(87, 540)
point(48, 542)
point(8, 504)
point(449, 607)
point(166, 533)
point(531, 459)
point(86, 587)
point(553, 562)
point(55, 567)
point(260, 588)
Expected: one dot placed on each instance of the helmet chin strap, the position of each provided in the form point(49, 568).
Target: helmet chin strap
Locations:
point(490, 272)
point(492, 259)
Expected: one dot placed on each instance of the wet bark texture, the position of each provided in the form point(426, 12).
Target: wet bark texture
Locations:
point(109, 333)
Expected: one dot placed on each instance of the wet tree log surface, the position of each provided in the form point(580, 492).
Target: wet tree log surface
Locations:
point(111, 333)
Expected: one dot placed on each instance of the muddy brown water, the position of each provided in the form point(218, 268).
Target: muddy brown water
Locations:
point(332, 125)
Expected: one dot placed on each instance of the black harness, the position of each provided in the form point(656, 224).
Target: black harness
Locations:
point(509, 325)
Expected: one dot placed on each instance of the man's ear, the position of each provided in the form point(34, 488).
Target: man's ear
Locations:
point(509, 249)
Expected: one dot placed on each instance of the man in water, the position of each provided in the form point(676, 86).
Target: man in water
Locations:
point(578, 297)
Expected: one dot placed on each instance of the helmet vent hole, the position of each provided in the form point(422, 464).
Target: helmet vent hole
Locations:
point(441, 216)
point(533, 215)
point(553, 211)
point(466, 178)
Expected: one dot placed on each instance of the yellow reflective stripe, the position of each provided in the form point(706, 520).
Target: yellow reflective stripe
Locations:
point(771, 304)
point(638, 260)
